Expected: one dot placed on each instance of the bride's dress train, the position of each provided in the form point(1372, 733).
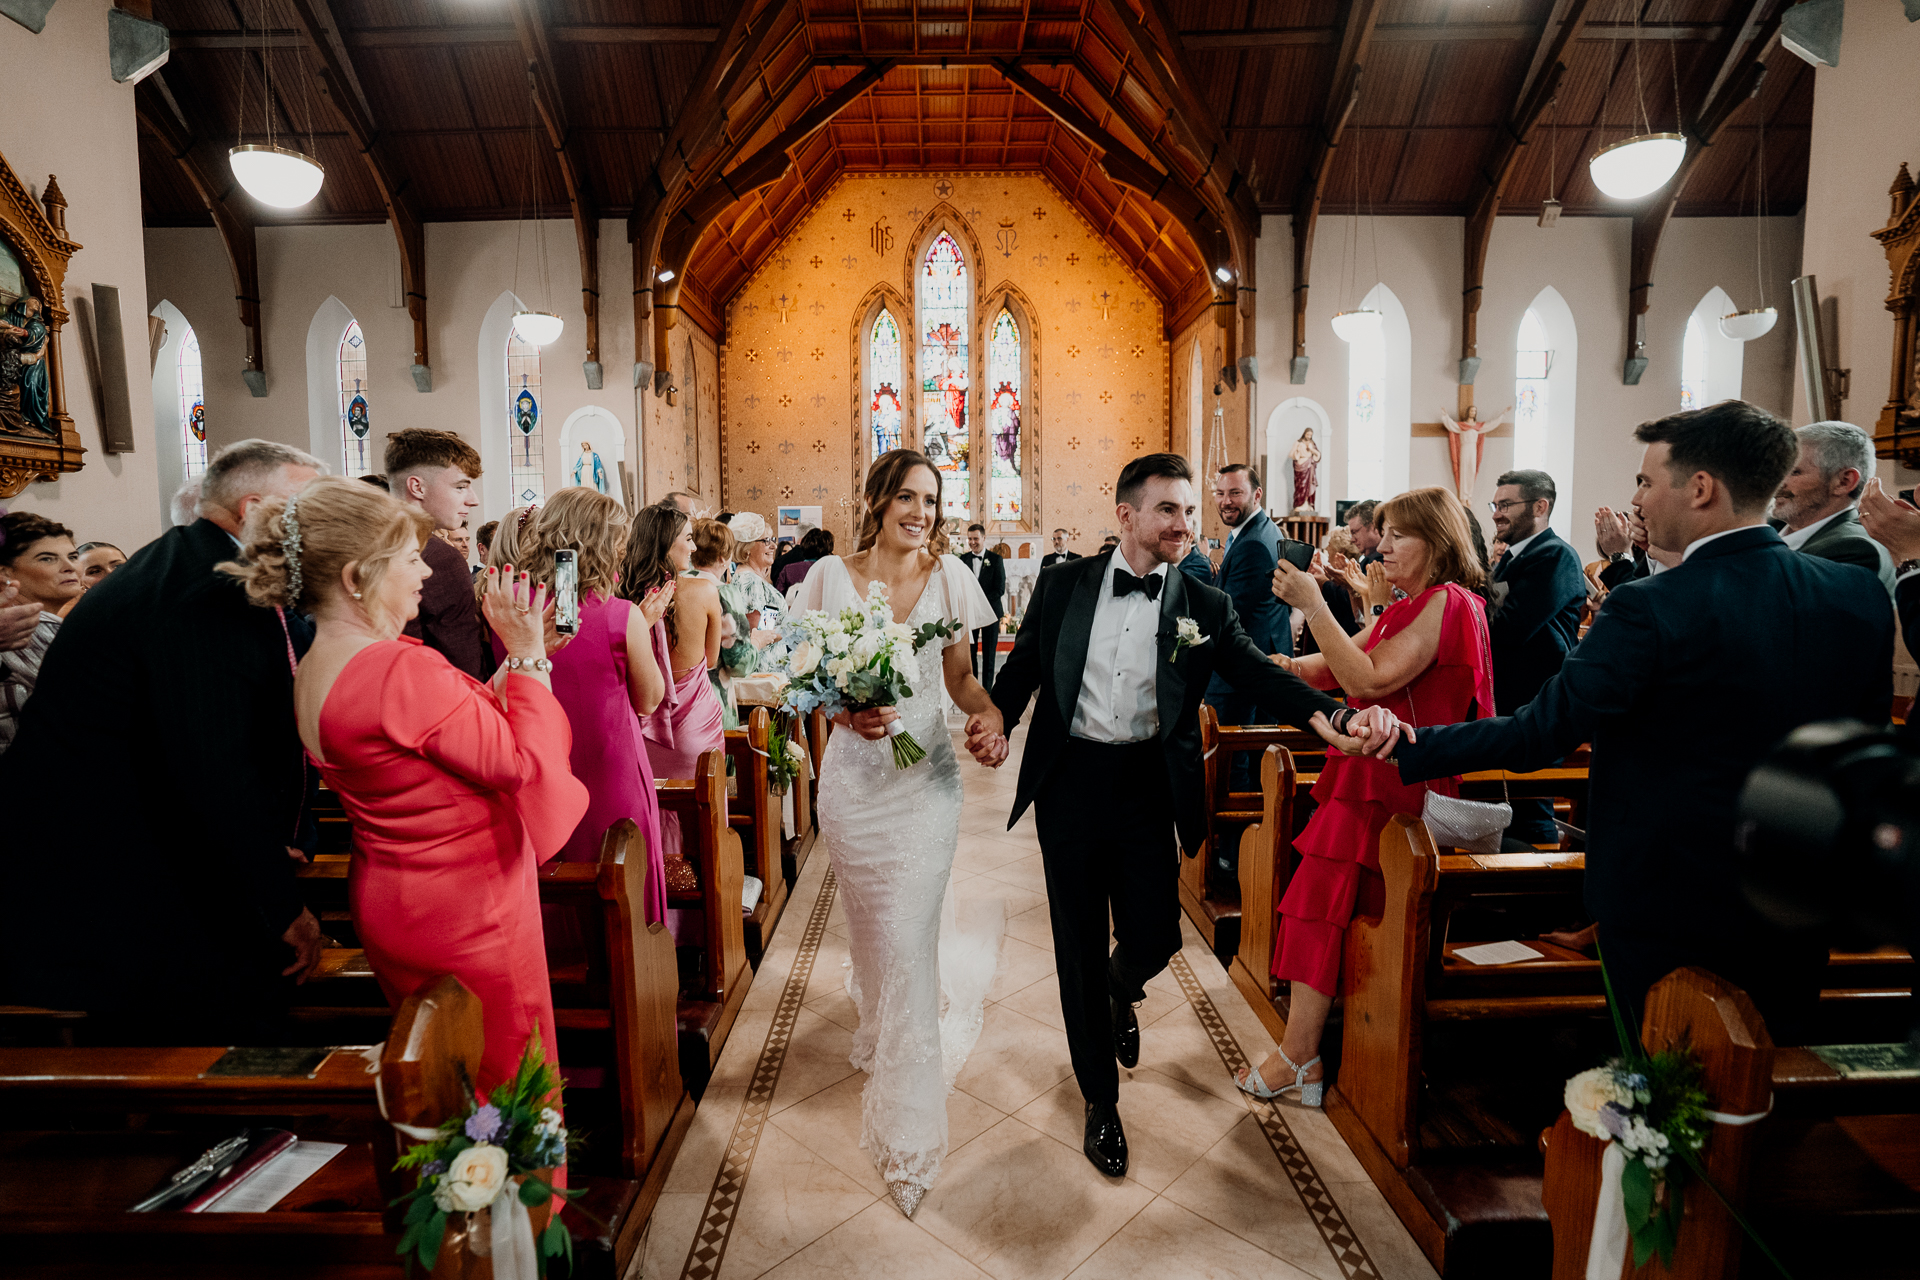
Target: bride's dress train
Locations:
point(920, 968)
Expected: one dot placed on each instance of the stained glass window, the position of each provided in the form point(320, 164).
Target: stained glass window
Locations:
point(883, 383)
point(1693, 365)
point(1533, 359)
point(1003, 416)
point(1366, 413)
point(524, 434)
point(193, 405)
point(944, 320)
point(355, 424)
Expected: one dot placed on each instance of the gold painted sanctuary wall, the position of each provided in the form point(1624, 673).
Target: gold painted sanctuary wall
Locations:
point(681, 441)
point(793, 372)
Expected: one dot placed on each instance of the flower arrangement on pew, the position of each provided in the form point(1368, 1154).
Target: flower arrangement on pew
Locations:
point(857, 660)
point(492, 1159)
point(785, 756)
point(1651, 1111)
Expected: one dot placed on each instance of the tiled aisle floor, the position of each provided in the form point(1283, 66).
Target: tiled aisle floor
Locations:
point(1206, 1196)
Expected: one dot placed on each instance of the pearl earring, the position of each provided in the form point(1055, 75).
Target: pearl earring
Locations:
point(356, 595)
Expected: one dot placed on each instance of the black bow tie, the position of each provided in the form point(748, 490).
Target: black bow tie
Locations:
point(1125, 584)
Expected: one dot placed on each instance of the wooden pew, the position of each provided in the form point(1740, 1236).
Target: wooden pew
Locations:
point(86, 1132)
point(1829, 1178)
point(715, 975)
point(754, 815)
point(795, 848)
point(1266, 866)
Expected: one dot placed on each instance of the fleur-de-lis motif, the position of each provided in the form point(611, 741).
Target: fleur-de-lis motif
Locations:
point(783, 262)
point(1073, 487)
point(1137, 396)
point(1104, 350)
point(849, 262)
point(820, 492)
point(1074, 397)
point(785, 354)
point(816, 306)
point(752, 400)
point(1073, 305)
point(818, 399)
point(913, 214)
point(1039, 259)
point(750, 309)
point(1106, 442)
point(756, 493)
point(786, 446)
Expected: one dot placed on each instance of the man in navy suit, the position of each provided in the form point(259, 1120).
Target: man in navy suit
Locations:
point(1685, 681)
point(1538, 591)
point(1196, 565)
point(1246, 575)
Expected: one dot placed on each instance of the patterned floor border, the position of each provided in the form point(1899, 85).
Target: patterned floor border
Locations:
point(1342, 1243)
point(709, 1246)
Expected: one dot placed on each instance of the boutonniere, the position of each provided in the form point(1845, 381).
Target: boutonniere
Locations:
point(1186, 635)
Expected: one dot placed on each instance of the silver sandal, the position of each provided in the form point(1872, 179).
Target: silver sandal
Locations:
point(1308, 1093)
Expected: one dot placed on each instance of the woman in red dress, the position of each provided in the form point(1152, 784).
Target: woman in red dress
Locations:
point(1425, 657)
point(457, 790)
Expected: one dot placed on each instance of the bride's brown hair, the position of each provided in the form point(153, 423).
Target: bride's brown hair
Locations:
point(884, 480)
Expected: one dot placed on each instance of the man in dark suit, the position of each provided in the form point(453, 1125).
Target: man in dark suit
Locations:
point(171, 915)
point(1815, 507)
point(435, 471)
point(1685, 681)
point(992, 573)
point(1895, 524)
point(1246, 575)
point(1196, 565)
point(1538, 592)
point(1059, 554)
point(1118, 663)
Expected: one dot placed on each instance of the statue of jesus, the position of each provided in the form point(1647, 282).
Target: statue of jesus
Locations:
point(1305, 455)
point(1467, 445)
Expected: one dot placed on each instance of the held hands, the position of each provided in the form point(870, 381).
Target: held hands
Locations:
point(987, 739)
point(1376, 731)
point(1890, 521)
point(657, 602)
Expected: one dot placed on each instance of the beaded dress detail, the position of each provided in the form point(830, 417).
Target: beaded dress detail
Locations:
point(918, 977)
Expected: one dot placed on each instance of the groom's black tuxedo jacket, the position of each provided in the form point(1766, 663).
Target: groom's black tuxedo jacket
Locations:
point(1050, 656)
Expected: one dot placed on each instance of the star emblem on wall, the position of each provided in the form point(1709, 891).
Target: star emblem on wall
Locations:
point(786, 401)
point(943, 188)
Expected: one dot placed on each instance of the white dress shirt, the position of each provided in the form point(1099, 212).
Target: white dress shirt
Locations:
point(1119, 687)
point(1801, 536)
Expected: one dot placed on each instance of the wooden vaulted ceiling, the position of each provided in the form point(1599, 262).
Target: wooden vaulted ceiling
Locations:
point(976, 85)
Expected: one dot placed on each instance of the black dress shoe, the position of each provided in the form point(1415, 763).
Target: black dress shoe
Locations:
point(1126, 1033)
point(1106, 1144)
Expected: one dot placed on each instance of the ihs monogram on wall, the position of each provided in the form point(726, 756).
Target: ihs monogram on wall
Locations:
point(880, 236)
point(1008, 239)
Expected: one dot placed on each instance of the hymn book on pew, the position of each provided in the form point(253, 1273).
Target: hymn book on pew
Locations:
point(247, 1173)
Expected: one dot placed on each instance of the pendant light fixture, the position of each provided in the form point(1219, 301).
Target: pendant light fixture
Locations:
point(537, 328)
point(1356, 323)
point(272, 174)
point(1645, 162)
point(1745, 326)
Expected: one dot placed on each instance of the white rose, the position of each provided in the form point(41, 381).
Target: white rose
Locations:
point(899, 633)
point(866, 647)
point(806, 656)
point(1587, 1092)
point(837, 642)
point(473, 1178)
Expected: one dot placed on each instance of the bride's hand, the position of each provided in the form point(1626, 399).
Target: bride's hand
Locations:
point(872, 725)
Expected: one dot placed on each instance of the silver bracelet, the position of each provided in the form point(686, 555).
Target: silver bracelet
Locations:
point(529, 664)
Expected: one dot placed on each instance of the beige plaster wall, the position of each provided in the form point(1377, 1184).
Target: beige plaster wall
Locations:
point(69, 118)
point(1206, 445)
point(792, 420)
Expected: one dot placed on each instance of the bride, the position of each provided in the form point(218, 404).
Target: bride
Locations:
point(918, 979)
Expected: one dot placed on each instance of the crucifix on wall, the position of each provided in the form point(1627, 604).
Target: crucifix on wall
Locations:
point(1105, 301)
point(785, 304)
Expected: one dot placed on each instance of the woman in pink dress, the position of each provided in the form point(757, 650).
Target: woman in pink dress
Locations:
point(610, 675)
point(688, 720)
point(1425, 657)
point(457, 790)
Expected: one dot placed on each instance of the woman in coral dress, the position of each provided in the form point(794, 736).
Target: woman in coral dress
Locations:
point(1425, 657)
point(609, 676)
point(457, 790)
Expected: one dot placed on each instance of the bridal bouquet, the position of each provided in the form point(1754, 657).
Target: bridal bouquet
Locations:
point(857, 660)
point(492, 1157)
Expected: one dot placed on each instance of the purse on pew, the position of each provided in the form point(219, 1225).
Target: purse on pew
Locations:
point(1474, 825)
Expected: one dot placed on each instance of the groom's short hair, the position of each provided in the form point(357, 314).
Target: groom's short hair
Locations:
point(1151, 466)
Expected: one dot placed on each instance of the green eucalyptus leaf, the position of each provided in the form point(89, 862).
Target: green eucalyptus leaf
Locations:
point(1636, 1191)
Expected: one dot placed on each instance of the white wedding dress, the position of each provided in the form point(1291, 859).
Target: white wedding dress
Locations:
point(918, 977)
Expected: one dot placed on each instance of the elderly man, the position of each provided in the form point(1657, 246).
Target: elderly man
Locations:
point(1817, 505)
point(172, 915)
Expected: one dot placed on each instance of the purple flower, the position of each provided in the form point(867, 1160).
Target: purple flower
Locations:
point(433, 1168)
point(484, 1124)
point(1613, 1118)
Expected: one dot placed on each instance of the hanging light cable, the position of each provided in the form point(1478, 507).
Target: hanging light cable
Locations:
point(1645, 162)
point(1745, 326)
point(536, 327)
point(1357, 322)
point(273, 175)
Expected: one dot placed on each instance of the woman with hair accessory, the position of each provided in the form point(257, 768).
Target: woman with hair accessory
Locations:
point(755, 550)
point(611, 675)
point(458, 790)
point(1425, 656)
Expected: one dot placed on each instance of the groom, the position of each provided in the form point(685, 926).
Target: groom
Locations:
point(1113, 766)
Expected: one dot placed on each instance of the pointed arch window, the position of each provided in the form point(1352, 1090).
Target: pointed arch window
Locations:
point(356, 425)
point(883, 384)
point(525, 438)
point(1532, 392)
point(1004, 352)
point(193, 405)
point(1366, 412)
point(945, 290)
point(1693, 365)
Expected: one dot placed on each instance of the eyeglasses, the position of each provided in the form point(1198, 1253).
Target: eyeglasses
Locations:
point(1498, 507)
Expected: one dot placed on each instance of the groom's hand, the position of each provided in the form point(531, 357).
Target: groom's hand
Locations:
point(986, 737)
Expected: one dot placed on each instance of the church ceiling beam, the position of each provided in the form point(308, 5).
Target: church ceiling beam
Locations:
point(203, 161)
point(1554, 42)
point(469, 34)
point(1356, 39)
point(1739, 65)
point(536, 45)
point(341, 85)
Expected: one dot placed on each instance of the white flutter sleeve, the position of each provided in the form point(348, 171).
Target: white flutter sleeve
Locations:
point(966, 603)
point(810, 593)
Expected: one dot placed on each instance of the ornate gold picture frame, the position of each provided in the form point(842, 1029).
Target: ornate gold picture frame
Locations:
point(37, 437)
